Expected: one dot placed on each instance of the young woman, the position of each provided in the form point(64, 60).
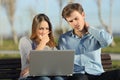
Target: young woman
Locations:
point(40, 39)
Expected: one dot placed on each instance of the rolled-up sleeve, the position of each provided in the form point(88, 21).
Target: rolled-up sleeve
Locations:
point(103, 37)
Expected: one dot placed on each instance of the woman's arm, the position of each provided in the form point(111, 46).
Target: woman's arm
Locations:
point(24, 48)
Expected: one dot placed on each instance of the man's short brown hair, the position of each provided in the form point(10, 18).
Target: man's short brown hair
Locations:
point(68, 9)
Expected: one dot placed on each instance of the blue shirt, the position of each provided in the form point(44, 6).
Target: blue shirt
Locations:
point(87, 49)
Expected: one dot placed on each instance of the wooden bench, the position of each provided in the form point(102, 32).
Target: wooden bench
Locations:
point(10, 68)
point(106, 61)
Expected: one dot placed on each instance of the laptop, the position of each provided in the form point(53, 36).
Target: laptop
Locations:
point(51, 62)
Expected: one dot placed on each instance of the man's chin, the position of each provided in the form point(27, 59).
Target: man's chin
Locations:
point(78, 30)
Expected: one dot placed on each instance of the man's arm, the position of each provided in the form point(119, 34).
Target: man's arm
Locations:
point(101, 35)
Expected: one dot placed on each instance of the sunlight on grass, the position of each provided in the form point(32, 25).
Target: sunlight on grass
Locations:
point(9, 56)
point(8, 45)
point(116, 64)
point(115, 49)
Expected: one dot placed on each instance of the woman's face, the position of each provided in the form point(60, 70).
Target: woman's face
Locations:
point(43, 29)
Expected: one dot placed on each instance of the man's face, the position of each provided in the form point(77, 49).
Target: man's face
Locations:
point(76, 20)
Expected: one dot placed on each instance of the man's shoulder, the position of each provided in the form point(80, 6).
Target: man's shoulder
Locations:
point(68, 33)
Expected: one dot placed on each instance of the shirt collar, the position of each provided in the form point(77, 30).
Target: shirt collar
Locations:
point(75, 36)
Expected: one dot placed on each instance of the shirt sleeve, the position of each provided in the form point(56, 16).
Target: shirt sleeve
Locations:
point(102, 36)
point(24, 48)
point(61, 43)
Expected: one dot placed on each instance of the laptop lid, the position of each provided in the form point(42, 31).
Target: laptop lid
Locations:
point(51, 62)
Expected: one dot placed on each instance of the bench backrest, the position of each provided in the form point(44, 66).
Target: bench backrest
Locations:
point(10, 68)
point(106, 61)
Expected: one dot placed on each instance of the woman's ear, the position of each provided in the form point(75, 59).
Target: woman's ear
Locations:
point(83, 14)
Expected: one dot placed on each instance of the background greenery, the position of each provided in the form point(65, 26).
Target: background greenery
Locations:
point(115, 49)
point(9, 45)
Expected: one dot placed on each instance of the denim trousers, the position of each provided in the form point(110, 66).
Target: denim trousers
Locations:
point(42, 78)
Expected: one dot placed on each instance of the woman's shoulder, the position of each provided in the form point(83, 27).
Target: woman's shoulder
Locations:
point(25, 40)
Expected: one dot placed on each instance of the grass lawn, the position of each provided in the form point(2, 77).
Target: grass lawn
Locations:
point(9, 56)
point(9, 45)
point(116, 64)
point(115, 49)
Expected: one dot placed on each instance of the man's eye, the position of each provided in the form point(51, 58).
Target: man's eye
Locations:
point(76, 18)
point(71, 21)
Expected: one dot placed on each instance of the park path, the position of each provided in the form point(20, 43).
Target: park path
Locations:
point(114, 56)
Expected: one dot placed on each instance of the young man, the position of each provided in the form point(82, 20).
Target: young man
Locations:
point(87, 42)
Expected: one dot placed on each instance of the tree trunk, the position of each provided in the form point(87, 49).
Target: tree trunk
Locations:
point(10, 7)
point(14, 34)
point(107, 27)
point(110, 22)
point(1, 36)
point(1, 40)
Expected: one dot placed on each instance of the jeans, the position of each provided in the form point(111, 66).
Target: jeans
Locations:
point(42, 78)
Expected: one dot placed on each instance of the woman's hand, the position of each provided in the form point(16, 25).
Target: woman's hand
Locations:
point(44, 39)
point(24, 72)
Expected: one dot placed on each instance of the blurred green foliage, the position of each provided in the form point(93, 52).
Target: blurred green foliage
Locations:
point(115, 49)
point(116, 64)
point(9, 45)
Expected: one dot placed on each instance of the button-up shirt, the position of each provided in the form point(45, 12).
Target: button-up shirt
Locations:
point(87, 49)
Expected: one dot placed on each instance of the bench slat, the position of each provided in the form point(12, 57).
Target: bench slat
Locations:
point(11, 66)
point(105, 56)
point(106, 61)
point(10, 61)
point(9, 76)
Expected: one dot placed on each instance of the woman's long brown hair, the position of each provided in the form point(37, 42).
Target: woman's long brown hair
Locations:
point(36, 21)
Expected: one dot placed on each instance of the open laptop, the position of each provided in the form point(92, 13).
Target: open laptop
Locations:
point(51, 62)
